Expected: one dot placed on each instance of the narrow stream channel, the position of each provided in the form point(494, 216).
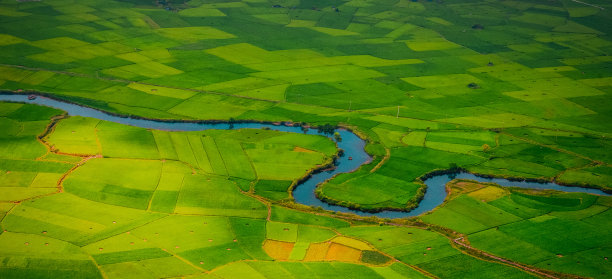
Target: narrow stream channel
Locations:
point(352, 145)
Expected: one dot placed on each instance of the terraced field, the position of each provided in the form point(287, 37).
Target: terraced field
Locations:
point(515, 89)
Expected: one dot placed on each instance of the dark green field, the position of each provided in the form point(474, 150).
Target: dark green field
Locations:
point(514, 89)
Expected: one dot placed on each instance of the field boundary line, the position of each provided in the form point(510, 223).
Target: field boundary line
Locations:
point(205, 153)
point(592, 216)
point(461, 241)
point(87, 241)
point(601, 8)
point(555, 148)
point(592, 164)
point(250, 162)
point(161, 172)
point(96, 264)
point(221, 156)
point(423, 271)
point(98, 142)
point(263, 200)
point(193, 152)
point(127, 81)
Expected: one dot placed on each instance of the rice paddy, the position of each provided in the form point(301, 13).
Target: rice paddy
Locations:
point(514, 89)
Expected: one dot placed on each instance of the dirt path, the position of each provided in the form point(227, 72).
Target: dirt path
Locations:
point(60, 187)
point(459, 241)
point(461, 244)
point(41, 138)
point(387, 155)
point(462, 241)
point(260, 199)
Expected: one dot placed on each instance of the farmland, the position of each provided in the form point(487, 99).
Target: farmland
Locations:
point(564, 232)
point(512, 89)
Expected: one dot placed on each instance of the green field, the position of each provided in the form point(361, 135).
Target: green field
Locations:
point(564, 232)
point(514, 89)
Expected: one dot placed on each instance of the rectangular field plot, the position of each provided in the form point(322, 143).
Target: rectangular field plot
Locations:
point(151, 268)
point(196, 142)
point(544, 231)
point(76, 135)
point(124, 141)
point(320, 74)
point(236, 161)
point(272, 189)
point(281, 214)
point(192, 34)
point(464, 266)
point(507, 246)
point(202, 12)
point(282, 231)
point(165, 146)
point(468, 215)
point(162, 91)
point(150, 69)
point(214, 156)
point(79, 221)
point(441, 81)
point(593, 263)
point(250, 234)
point(183, 149)
point(215, 196)
point(208, 106)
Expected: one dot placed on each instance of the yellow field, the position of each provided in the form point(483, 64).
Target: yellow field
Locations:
point(488, 194)
point(279, 250)
point(351, 242)
point(317, 251)
point(339, 252)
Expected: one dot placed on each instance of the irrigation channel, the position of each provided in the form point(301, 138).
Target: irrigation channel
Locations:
point(352, 145)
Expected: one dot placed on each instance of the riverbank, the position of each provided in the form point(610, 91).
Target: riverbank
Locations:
point(352, 145)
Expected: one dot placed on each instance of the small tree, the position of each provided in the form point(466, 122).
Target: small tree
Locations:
point(337, 137)
point(231, 122)
point(327, 129)
point(486, 148)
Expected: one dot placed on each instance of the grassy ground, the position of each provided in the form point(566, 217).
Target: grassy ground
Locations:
point(151, 212)
point(430, 84)
point(565, 232)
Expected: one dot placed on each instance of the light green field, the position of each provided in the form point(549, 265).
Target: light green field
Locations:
point(428, 84)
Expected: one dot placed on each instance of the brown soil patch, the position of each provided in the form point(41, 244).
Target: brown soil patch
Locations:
point(300, 149)
point(279, 250)
point(339, 252)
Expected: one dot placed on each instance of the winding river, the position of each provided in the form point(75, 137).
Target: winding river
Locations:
point(352, 145)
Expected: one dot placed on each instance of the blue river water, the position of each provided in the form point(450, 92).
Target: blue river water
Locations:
point(304, 193)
